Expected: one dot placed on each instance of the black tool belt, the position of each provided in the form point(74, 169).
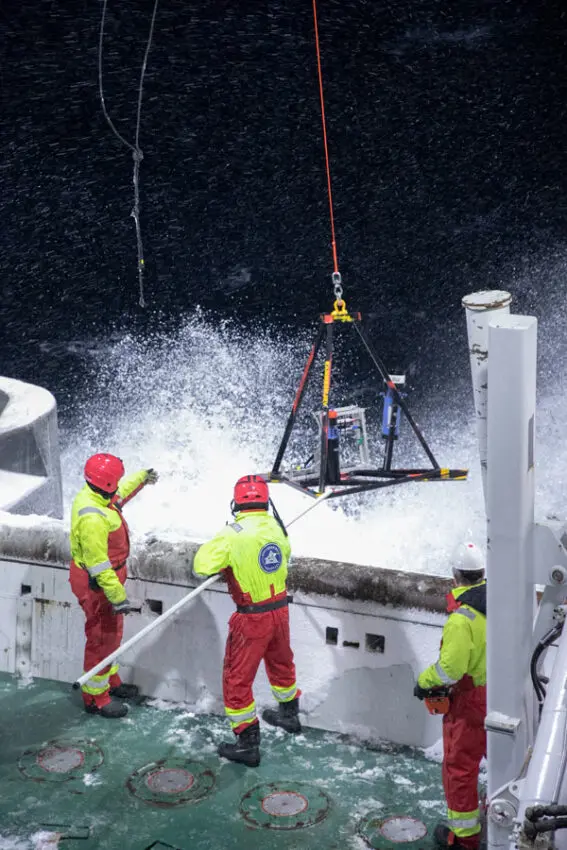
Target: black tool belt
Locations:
point(262, 608)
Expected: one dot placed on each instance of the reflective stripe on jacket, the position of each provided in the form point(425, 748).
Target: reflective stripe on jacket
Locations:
point(463, 645)
point(255, 553)
point(99, 534)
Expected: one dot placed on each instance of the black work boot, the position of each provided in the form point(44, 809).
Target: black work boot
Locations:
point(246, 750)
point(124, 691)
point(444, 837)
point(111, 710)
point(286, 716)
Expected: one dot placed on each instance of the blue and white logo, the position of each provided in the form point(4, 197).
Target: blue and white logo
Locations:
point(270, 558)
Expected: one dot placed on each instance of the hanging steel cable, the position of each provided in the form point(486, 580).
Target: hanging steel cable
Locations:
point(135, 148)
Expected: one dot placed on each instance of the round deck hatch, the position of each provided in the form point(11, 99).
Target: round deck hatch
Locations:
point(381, 832)
point(281, 806)
point(60, 761)
point(171, 782)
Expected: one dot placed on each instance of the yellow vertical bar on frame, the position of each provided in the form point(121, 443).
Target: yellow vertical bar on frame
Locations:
point(326, 383)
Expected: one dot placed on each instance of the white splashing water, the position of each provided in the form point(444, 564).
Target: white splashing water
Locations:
point(210, 404)
point(8, 842)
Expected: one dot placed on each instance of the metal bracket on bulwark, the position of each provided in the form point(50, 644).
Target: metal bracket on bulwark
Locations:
point(24, 630)
point(503, 724)
point(503, 807)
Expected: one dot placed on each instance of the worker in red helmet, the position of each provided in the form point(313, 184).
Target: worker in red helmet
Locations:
point(460, 671)
point(100, 547)
point(253, 552)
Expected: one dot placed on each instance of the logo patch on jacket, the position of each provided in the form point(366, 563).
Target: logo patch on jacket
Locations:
point(270, 558)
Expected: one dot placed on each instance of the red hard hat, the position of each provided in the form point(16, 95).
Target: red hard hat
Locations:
point(251, 491)
point(104, 472)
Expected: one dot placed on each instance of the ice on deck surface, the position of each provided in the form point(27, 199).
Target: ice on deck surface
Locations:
point(154, 780)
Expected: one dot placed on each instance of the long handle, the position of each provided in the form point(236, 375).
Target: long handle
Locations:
point(143, 632)
point(165, 616)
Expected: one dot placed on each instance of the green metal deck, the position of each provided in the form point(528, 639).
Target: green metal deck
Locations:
point(153, 780)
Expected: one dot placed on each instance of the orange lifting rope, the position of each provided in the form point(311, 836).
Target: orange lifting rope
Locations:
point(339, 306)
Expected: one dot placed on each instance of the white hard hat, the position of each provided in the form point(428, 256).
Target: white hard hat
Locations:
point(468, 558)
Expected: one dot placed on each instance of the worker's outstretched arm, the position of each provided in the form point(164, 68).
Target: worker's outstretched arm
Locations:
point(130, 485)
point(453, 661)
point(212, 557)
point(94, 530)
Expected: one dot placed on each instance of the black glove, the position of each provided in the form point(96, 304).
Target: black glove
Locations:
point(122, 607)
point(152, 476)
point(420, 692)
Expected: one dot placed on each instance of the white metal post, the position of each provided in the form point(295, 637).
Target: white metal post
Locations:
point(482, 308)
point(512, 345)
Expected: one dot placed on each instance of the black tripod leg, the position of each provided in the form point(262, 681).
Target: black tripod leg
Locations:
point(384, 372)
point(297, 402)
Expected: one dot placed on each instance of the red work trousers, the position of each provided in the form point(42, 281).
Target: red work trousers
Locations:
point(464, 745)
point(103, 629)
point(251, 638)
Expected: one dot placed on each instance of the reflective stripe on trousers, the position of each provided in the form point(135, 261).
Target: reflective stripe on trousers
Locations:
point(284, 694)
point(464, 824)
point(241, 716)
point(100, 683)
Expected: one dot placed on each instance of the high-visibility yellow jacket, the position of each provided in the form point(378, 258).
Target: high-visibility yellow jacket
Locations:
point(463, 645)
point(255, 553)
point(99, 533)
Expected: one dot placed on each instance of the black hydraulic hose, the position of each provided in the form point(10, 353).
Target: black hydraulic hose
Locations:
point(534, 813)
point(544, 818)
point(533, 673)
point(532, 828)
point(543, 644)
